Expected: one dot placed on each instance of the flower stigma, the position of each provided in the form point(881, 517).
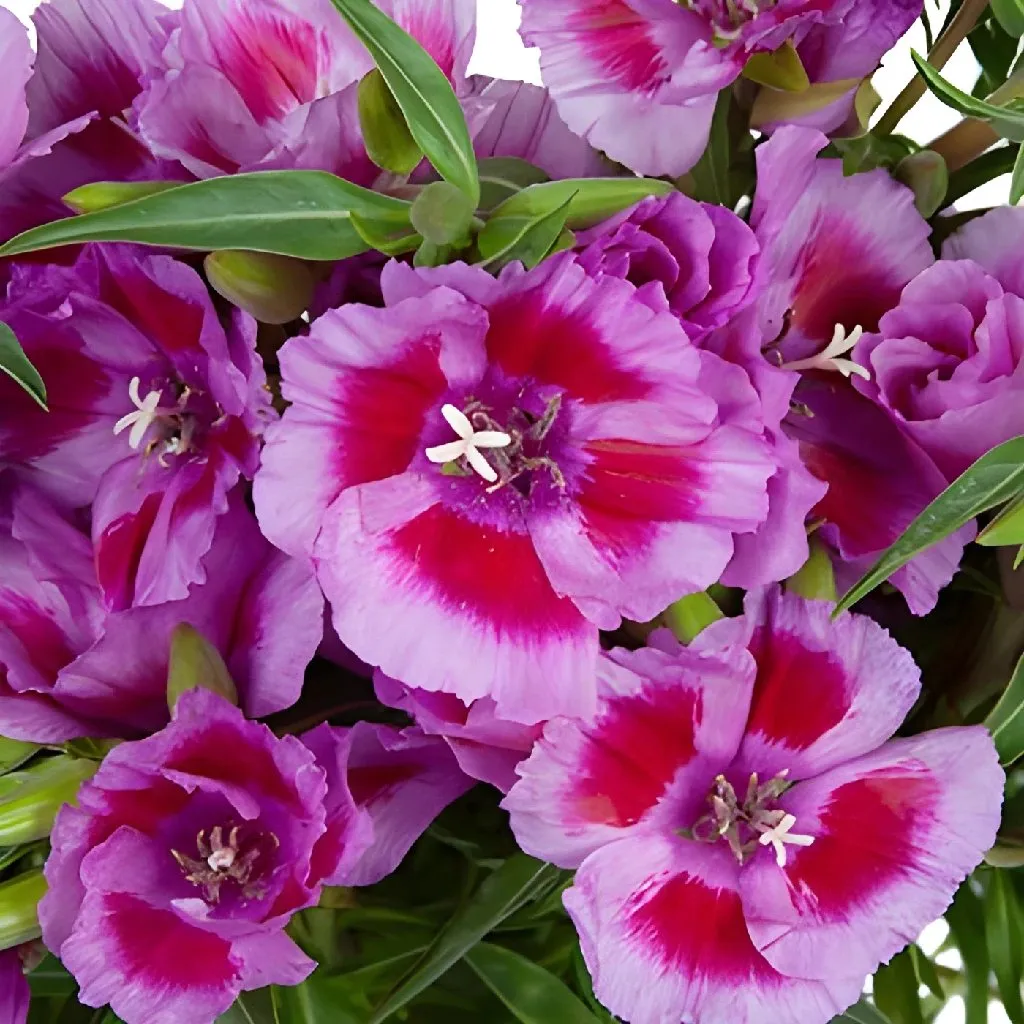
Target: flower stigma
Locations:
point(829, 358)
point(469, 444)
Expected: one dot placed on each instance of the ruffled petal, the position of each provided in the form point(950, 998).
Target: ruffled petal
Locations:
point(667, 724)
point(451, 604)
point(662, 931)
point(896, 832)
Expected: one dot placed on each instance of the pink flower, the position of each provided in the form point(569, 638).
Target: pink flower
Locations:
point(639, 78)
point(14, 990)
point(749, 846)
point(272, 83)
point(70, 668)
point(621, 488)
point(171, 882)
point(156, 410)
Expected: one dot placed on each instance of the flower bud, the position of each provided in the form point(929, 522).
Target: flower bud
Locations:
point(691, 615)
point(273, 289)
point(30, 799)
point(927, 176)
point(196, 663)
point(19, 915)
point(816, 580)
point(782, 69)
point(101, 195)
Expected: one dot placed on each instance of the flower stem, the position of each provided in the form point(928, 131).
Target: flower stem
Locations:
point(945, 46)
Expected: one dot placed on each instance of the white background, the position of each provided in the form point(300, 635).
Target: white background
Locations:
point(500, 53)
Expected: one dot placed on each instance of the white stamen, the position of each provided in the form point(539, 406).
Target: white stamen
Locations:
point(830, 357)
point(780, 834)
point(147, 412)
point(222, 859)
point(469, 444)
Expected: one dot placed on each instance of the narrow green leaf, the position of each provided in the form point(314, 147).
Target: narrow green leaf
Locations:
point(1007, 121)
point(1017, 178)
point(420, 89)
point(387, 138)
point(442, 214)
point(1006, 720)
point(30, 799)
point(862, 1013)
point(591, 200)
point(503, 176)
point(101, 195)
point(1010, 15)
point(509, 888)
point(257, 1007)
point(294, 213)
point(392, 241)
point(926, 973)
point(51, 978)
point(1005, 942)
point(997, 477)
point(529, 240)
point(16, 365)
point(966, 920)
point(895, 990)
point(531, 994)
point(1007, 529)
point(14, 753)
point(19, 898)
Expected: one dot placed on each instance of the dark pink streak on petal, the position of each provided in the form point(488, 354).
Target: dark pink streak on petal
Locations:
point(426, 24)
point(840, 282)
point(270, 59)
point(161, 950)
point(147, 810)
point(174, 323)
point(529, 339)
point(486, 574)
point(867, 839)
point(618, 40)
point(220, 752)
point(629, 486)
point(42, 638)
point(382, 413)
point(698, 930)
point(635, 751)
point(799, 694)
point(119, 549)
point(371, 782)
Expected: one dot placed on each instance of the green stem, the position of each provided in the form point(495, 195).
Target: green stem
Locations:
point(944, 48)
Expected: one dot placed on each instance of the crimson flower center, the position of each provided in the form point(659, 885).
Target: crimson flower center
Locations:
point(228, 856)
point(753, 823)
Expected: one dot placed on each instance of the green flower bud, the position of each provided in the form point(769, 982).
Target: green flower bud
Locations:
point(101, 195)
point(30, 799)
point(782, 69)
point(927, 176)
point(14, 752)
point(816, 580)
point(196, 662)
point(273, 289)
point(691, 615)
point(19, 915)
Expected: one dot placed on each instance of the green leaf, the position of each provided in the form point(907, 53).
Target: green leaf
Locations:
point(442, 214)
point(392, 241)
point(713, 178)
point(503, 176)
point(387, 138)
point(504, 239)
point(1007, 529)
point(926, 973)
point(102, 195)
point(14, 753)
point(257, 1007)
point(16, 365)
point(420, 89)
point(966, 920)
point(1010, 15)
point(194, 662)
point(862, 1013)
point(1017, 178)
point(1006, 720)
point(997, 477)
point(1005, 942)
point(293, 213)
point(510, 887)
point(531, 994)
point(1007, 121)
point(895, 990)
point(925, 173)
point(591, 200)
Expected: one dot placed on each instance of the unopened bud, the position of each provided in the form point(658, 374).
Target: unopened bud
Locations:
point(781, 69)
point(30, 799)
point(102, 195)
point(691, 615)
point(816, 580)
point(195, 662)
point(273, 289)
point(927, 176)
point(19, 909)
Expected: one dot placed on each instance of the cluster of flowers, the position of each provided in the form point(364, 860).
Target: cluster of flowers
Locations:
point(473, 477)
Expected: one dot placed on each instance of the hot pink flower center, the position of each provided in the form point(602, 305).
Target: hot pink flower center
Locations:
point(230, 855)
point(753, 823)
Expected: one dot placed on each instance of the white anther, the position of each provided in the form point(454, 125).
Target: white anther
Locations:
point(469, 444)
point(829, 357)
point(780, 834)
point(147, 411)
point(222, 859)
